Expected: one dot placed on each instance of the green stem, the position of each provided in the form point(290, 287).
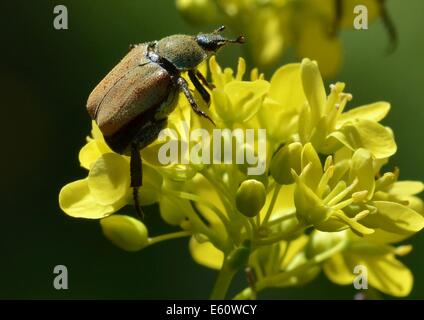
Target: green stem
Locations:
point(278, 278)
point(205, 202)
point(280, 236)
point(169, 236)
point(270, 281)
point(253, 223)
point(198, 224)
point(287, 216)
point(284, 255)
point(222, 283)
point(277, 189)
point(223, 192)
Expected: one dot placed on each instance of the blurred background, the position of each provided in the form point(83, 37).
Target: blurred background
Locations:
point(45, 79)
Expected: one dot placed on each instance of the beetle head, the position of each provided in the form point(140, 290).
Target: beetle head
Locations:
point(187, 52)
point(212, 42)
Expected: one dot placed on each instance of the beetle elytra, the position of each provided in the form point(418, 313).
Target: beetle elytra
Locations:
point(131, 104)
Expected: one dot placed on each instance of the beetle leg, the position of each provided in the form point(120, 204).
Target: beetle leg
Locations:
point(203, 92)
point(145, 135)
point(136, 174)
point(204, 81)
point(182, 83)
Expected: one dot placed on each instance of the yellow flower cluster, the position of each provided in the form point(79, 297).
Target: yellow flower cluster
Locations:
point(323, 202)
point(273, 26)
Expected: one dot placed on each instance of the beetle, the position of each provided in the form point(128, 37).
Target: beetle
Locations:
point(131, 104)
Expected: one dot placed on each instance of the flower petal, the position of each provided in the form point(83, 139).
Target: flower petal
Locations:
point(91, 152)
point(399, 217)
point(88, 154)
point(108, 179)
point(152, 182)
point(337, 270)
point(172, 209)
point(206, 254)
point(245, 98)
point(369, 135)
point(310, 158)
point(76, 201)
point(296, 246)
point(272, 115)
point(389, 275)
point(95, 131)
point(362, 169)
point(406, 188)
point(313, 87)
point(309, 207)
point(375, 112)
point(386, 237)
point(286, 87)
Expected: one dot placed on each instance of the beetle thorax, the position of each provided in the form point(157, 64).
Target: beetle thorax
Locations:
point(182, 51)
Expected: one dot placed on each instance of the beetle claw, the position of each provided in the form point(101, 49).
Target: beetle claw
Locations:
point(203, 114)
point(211, 121)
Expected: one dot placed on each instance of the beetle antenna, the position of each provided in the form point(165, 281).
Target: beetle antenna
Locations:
point(220, 29)
point(240, 39)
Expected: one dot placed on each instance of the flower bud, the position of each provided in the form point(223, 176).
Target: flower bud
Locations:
point(287, 158)
point(125, 232)
point(250, 197)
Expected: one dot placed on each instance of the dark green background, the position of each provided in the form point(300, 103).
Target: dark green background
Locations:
point(46, 76)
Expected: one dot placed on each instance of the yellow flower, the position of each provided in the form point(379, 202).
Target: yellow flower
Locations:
point(106, 189)
point(323, 123)
point(343, 194)
point(384, 271)
point(320, 203)
point(320, 171)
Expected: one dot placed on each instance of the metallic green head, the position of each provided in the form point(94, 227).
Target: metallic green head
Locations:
point(186, 52)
